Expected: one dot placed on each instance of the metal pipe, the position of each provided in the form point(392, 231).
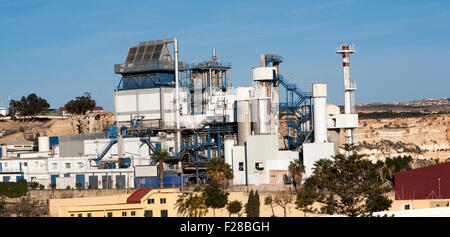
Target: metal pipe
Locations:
point(177, 96)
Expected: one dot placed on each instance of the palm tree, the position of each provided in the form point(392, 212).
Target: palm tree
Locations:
point(191, 205)
point(219, 171)
point(160, 156)
point(296, 168)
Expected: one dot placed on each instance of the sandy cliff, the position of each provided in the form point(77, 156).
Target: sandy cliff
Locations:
point(424, 138)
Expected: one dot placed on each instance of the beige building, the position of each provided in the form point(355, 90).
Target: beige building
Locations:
point(161, 203)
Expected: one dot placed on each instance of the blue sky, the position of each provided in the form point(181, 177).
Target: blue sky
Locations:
point(61, 49)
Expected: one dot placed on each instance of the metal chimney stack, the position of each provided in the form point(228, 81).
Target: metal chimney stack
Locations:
point(349, 87)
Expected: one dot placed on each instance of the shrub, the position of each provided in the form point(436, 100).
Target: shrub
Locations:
point(14, 190)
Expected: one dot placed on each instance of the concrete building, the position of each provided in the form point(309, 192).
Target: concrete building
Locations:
point(161, 202)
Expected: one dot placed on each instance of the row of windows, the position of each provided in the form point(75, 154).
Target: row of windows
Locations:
point(152, 201)
point(109, 214)
point(149, 213)
point(68, 165)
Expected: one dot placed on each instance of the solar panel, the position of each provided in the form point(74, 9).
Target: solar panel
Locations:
point(157, 53)
point(140, 53)
point(149, 52)
point(131, 55)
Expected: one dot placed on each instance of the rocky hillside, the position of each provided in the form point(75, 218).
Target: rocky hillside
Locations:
point(425, 138)
point(15, 130)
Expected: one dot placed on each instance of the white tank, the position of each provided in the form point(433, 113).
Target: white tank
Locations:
point(254, 116)
point(44, 144)
point(264, 116)
point(320, 113)
point(243, 121)
point(228, 150)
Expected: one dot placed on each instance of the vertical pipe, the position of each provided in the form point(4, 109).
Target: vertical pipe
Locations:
point(177, 106)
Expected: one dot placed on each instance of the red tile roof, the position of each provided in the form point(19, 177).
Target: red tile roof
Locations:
point(98, 108)
point(138, 195)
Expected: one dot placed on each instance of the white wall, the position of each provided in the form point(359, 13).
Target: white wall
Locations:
point(261, 149)
point(313, 152)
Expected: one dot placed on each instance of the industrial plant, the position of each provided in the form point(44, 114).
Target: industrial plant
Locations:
point(192, 112)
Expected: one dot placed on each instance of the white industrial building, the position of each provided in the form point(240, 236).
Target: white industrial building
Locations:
point(191, 111)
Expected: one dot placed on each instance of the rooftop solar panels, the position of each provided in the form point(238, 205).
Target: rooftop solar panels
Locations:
point(147, 51)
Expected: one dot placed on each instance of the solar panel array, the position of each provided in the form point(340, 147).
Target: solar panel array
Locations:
point(147, 51)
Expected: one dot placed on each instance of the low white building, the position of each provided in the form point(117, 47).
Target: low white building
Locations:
point(260, 161)
point(48, 167)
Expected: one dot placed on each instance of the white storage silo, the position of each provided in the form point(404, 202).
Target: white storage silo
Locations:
point(319, 94)
point(264, 116)
point(243, 121)
point(44, 144)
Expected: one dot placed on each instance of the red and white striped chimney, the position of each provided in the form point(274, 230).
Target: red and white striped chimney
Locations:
point(345, 50)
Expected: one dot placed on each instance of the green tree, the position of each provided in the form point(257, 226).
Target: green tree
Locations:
point(160, 156)
point(215, 198)
point(81, 104)
point(296, 168)
point(191, 205)
point(219, 171)
point(306, 197)
point(257, 204)
point(28, 106)
point(345, 186)
point(234, 207)
point(394, 165)
point(252, 206)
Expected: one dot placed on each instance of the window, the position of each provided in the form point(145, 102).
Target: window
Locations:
point(110, 214)
point(164, 213)
point(80, 215)
point(162, 200)
point(148, 213)
point(55, 166)
point(241, 166)
point(133, 213)
point(259, 166)
point(25, 164)
point(407, 207)
point(6, 164)
point(79, 165)
point(72, 215)
point(67, 165)
point(150, 200)
point(124, 213)
point(89, 215)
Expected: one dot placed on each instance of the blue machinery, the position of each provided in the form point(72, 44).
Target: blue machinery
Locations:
point(198, 146)
point(296, 109)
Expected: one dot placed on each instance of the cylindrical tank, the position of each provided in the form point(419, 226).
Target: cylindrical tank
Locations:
point(254, 116)
point(243, 121)
point(264, 116)
point(44, 144)
point(320, 113)
point(228, 150)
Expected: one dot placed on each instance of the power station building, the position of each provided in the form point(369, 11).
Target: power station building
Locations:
point(191, 111)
